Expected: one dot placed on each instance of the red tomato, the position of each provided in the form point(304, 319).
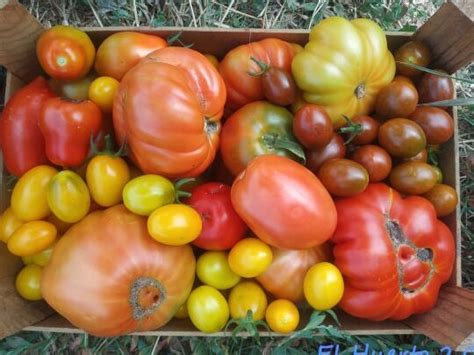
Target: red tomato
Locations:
point(375, 160)
point(312, 126)
point(284, 203)
point(168, 109)
point(221, 225)
point(437, 124)
point(394, 254)
point(435, 88)
point(334, 149)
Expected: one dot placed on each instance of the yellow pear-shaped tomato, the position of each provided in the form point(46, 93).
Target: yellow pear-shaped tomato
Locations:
point(343, 66)
point(9, 223)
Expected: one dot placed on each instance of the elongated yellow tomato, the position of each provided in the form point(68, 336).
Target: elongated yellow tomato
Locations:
point(41, 259)
point(106, 177)
point(323, 286)
point(343, 66)
point(68, 196)
point(247, 296)
point(212, 268)
point(29, 201)
point(28, 282)
point(32, 238)
point(9, 223)
point(208, 309)
point(250, 257)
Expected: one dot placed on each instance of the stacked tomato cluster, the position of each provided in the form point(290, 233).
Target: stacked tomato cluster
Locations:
point(265, 167)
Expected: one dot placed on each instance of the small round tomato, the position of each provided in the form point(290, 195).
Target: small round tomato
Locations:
point(413, 178)
point(106, 177)
point(213, 59)
point(413, 52)
point(9, 223)
point(208, 309)
point(75, 89)
point(41, 259)
point(68, 196)
point(375, 160)
point(28, 282)
point(312, 126)
point(334, 149)
point(32, 238)
point(444, 199)
point(145, 193)
point(212, 268)
point(282, 316)
point(29, 197)
point(182, 312)
point(398, 99)
point(250, 257)
point(437, 124)
point(433, 88)
point(102, 92)
point(247, 296)
point(343, 177)
point(65, 52)
point(401, 137)
point(174, 224)
point(365, 129)
point(323, 286)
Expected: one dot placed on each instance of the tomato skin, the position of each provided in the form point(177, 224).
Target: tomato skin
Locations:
point(334, 149)
point(435, 88)
point(369, 127)
point(68, 196)
point(387, 274)
point(221, 225)
point(439, 174)
point(65, 52)
point(28, 283)
point(437, 124)
point(287, 221)
point(41, 259)
point(174, 224)
point(9, 223)
point(208, 309)
point(247, 296)
point(212, 268)
point(421, 156)
point(23, 144)
point(398, 99)
point(278, 86)
point(102, 92)
point(111, 249)
point(413, 178)
point(32, 238)
point(252, 131)
point(323, 286)
point(444, 199)
point(401, 137)
point(414, 52)
point(67, 127)
point(312, 126)
point(29, 197)
point(75, 89)
point(343, 177)
point(121, 51)
point(250, 257)
point(106, 178)
point(282, 316)
point(213, 59)
point(375, 160)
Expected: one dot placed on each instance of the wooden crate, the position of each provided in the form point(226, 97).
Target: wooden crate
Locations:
point(449, 34)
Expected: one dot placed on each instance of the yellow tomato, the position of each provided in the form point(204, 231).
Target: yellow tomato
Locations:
point(323, 286)
point(182, 312)
point(247, 296)
point(282, 316)
point(9, 223)
point(28, 282)
point(102, 92)
point(208, 309)
point(175, 224)
point(41, 258)
point(29, 197)
point(32, 238)
point(68, 196)
point(213, 60)
point(250, 257)
point(212, 268)
point(106, 177)
point(343, 66)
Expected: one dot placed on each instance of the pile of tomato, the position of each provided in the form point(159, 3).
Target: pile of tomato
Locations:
point(154, 181)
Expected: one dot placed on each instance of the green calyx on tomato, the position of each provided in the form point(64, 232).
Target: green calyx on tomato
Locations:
point(109, 147)
point(352, 129)
point(276, 142)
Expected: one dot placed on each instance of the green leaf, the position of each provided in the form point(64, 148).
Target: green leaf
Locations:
point(435, 72)
point(462, 101)
point(317, 318)
point(333, 316)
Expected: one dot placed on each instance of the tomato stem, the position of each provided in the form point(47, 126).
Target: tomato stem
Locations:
point(353, 129)
point(181, 193)
point(262, 66)
point(109, 147)
point(276, 142)
point(432, 156)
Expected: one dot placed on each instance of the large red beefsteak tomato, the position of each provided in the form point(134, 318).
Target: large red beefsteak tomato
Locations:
point(168, 109)
point(393, 252)
point(109, 277)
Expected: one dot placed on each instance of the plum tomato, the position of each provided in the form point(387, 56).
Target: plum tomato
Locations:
point(208, 309)
point(437, 124)
point(362, 128)
point(433, 88)
point(414, 52)
point(334, 149)
point(375, 160)
point(401, 137)
point(413, 178)
point(444, 199)
point(397, 99)
point(343, 177)
point(312, 126)
point(323, 286)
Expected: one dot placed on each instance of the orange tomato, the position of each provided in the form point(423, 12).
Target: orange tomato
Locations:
point(282, 316)
point(102, 92)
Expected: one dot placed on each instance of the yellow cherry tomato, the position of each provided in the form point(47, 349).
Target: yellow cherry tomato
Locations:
point(102, 92)
point(9, 223)
point(212, 268)
point(144, 194)
point(68, 196)
point(282, 316)
point(32, 238)
point(182, 312)
point(208, 309)
point(175, 224)
point(41, 258)
point(323, 286)
point(250, 257)
point(28, 282)
point(106, 177)
point(213, 60)
point(247, 296)
point(29, 197)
